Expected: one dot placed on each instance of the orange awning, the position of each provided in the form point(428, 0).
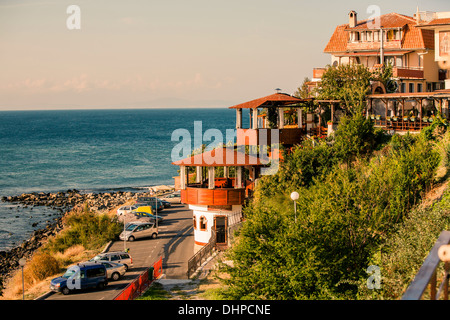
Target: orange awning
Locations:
point(220, 157)
point(276, 99)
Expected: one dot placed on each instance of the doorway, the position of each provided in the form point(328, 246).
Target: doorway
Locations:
point(220, 223)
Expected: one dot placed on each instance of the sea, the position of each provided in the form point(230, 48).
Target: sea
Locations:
point(91, 151)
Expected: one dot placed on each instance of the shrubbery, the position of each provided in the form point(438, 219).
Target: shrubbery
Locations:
point(87, 229)
point(353, 194)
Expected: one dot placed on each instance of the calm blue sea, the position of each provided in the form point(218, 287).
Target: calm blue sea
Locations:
point(88, 150)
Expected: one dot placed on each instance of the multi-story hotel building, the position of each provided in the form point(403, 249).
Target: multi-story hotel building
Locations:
point(394, 39)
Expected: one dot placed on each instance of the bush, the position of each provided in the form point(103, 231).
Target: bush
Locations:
point(41, 266)
point(87, 229)
point(345, 213)
point(403, 254)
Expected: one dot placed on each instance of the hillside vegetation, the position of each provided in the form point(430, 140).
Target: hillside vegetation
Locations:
point(358, 206)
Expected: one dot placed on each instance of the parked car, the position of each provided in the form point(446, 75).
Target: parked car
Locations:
point(146, 214)
point(125, 209)
point(81, 276)
point(139, 230)
point(173, 198)
point(151, 204)
point(116, 257)
point(114, 270)
point(165, 203)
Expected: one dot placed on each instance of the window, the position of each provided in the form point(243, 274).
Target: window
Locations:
point(203, 225)
point(195, 222)
point(419, 87)
point(95, 272)
point(115, 257)
point(411, 87)
point(390, 35)
point(403, 87)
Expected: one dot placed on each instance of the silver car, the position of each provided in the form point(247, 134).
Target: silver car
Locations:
point(115, 257)
point(138, 230)
point(114, 270)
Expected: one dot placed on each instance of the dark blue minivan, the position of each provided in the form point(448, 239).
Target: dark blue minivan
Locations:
point(81, 276)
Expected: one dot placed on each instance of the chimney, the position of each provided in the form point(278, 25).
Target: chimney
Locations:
point(352, 19)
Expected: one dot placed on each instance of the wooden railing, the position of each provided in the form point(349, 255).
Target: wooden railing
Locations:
point(401, 124)
point(428, 274)
point(263, 136)
point(213, 197)
point(318, 131)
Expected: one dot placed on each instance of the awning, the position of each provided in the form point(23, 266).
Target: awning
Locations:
point(220, 157)
point(276, 99)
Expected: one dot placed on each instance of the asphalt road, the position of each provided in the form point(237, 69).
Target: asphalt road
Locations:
point(175, 244)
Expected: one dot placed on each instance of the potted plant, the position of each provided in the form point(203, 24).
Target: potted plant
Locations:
point(372, 116)
point(425, 119)
point(394, 118)
point(405, 118)
point(378, 117)
point(413, 118)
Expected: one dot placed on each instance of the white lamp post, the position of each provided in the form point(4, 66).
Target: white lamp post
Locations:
point(294, 197)
point(22, 263)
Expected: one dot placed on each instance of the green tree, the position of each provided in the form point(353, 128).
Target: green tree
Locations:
point(302, 92)
point(354, 137)
point(349, 83)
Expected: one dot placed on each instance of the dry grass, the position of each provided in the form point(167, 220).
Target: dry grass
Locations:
point(43, 267)
point(39, 271)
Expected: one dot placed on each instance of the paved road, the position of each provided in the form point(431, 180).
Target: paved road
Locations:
point(175, 243)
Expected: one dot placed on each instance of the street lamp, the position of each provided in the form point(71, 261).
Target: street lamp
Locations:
point(294, 197)
point(22, 263)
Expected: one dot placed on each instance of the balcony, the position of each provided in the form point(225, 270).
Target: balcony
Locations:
point(286, 136)
point(407, 72)
point(213, 197)
point(402, 124)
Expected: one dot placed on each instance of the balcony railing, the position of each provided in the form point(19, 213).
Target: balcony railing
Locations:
point(428, 274)
point(407, 72)
point(402, 124)
point(287, 136)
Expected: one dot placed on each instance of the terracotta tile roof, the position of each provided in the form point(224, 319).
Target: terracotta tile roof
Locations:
point(413, 38)
point(219, 157)
point(416, 38)
point(437, 22)
point(273, 99)
point(338, 41)
point(390, 20)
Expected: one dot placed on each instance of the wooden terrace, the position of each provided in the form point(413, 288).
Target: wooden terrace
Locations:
point(409, 111)
point(218, 191)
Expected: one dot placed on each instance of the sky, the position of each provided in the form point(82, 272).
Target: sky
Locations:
point(167, 53)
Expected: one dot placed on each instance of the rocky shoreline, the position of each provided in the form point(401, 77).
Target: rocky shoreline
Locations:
point(62, 201)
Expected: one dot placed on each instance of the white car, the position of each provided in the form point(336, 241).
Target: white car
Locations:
point(125, 209)
point(172, 198)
